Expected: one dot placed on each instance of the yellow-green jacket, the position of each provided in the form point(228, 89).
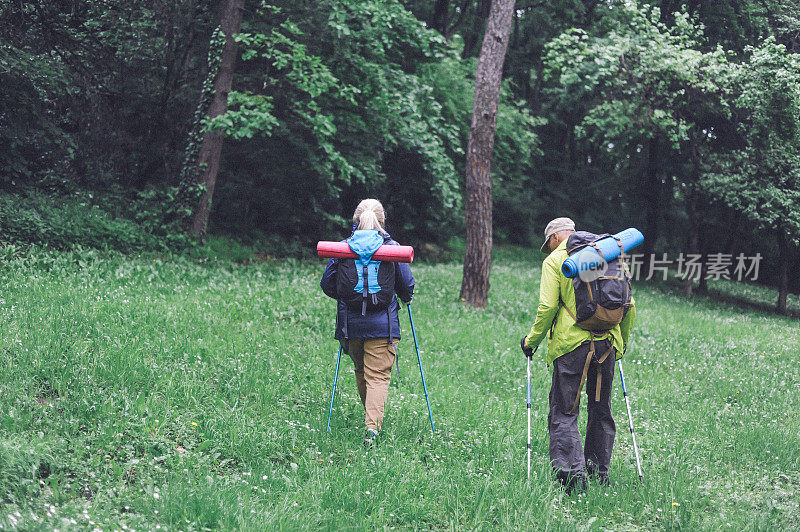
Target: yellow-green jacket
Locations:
point(566, 335)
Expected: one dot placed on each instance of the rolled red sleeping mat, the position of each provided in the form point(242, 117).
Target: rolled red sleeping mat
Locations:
point(341, 250)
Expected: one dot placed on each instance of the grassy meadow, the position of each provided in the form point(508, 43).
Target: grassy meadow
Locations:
point(177, 393)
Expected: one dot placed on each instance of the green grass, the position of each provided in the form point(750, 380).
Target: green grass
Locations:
point(192, 394)
point(752, 296)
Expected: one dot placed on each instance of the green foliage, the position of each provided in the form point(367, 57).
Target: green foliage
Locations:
point(31, 134)
point(603, 106)
point(86, 220)
point(298, 75)
point(247, 116)
point(762, 178)
point(641, 79)
point(101, 93)
point(736, 24)
point(514, 173)
point(385, 112)
point(157, 391)
point(343, 121)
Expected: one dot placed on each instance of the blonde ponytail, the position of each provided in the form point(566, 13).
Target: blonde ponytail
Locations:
point(370, 215)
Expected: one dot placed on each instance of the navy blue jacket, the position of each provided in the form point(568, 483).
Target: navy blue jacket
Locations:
point(375, 324)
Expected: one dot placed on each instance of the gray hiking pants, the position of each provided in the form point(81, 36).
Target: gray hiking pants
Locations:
point(566, 454)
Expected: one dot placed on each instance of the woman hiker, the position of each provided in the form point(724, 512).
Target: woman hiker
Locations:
point(369, 327)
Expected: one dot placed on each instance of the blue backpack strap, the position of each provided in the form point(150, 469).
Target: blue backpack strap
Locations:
point(364, 243)
point(366, 289)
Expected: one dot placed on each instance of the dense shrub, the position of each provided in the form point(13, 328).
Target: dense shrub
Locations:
point(78, 219)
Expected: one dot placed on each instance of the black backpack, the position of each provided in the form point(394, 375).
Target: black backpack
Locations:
point(600, 304)
point(364, 296)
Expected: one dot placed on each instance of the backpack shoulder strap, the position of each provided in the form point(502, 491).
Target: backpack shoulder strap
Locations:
point(571, 315)
point(561, 305)
point(621, 251)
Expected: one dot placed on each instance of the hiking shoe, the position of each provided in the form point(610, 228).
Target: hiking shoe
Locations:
point(370, 438)
point(602, 478)
point(572, 482)
point(576, 484)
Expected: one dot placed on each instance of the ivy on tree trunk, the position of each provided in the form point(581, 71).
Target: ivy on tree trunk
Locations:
point(230, 18)
point(489, 74)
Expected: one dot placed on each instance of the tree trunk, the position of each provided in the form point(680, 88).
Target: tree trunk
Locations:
point(461, 15)
point(694, 234)
point(482, 9)
point(733, 232)
point(794, 281)
point(651, 192)
point(702, 283)
point(478, 258)
point(441, 15)
point(230, 20)
point(693, 210)
point(572, 150)
point(783, 272)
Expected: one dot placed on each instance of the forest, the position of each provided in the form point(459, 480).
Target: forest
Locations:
point(171, 346)
point(681, 118)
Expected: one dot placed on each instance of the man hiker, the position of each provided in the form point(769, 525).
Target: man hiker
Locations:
point(577, 355)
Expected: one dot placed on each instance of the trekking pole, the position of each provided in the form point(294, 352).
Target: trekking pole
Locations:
point(630, 421)
point(421, 372)
point(529, 417)
point(333, 392)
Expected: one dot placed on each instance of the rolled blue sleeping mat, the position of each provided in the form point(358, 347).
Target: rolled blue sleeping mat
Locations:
point(588, 258)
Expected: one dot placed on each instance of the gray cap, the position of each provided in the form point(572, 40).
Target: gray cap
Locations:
point(556, 225)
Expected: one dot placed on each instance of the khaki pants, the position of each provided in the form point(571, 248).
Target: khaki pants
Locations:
point(373, 359)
